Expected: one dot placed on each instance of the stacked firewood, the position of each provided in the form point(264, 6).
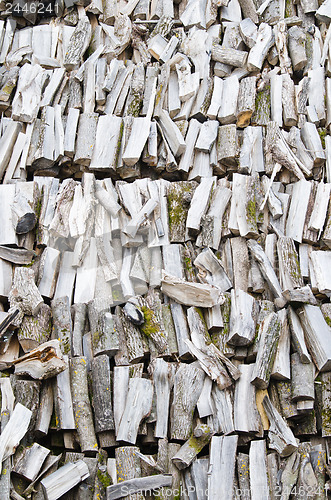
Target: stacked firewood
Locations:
point(165, 243)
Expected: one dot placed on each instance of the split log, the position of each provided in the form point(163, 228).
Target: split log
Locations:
point(102, 401)
point(246, 101)
point(190, 294)
point(246, 417)
point(64, 479)
point(270, 332)
point(188, 452)
point(24, 294)
point(302, 382)
point(87, 128)
point(62, 326)
point(228, 110)
point(187, 388)
point(45, 409)
point(107, 141)
point(41, 363)
point(258, 471)
point(78, 43)
point(316, 332)
point(242, 324)
point(222, 466)
point(31, 461)
point(265, 268)
point(280, 435)
point(297, 336)
point(35, 330)
point(138, 406)
point(133, 487)
point(14, 431)
point(162, 373)
point(258, 52)
point(81, 405)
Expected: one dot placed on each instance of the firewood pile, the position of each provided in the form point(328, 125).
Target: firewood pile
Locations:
point(165, 249)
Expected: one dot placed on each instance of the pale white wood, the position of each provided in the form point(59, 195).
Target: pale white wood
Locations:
point(14, 431)
point(86, 276)
point(105, 151)
point(199, 204)
point(70, 132)
point(298, 209)
point(48, 270)
point(216, 99)
point(312, 141)
point(66, 277)
point(258, 52)
point(246, 417)
point(228, 109)
point(26, 102)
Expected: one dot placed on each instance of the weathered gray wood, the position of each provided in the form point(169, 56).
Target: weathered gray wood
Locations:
point(81, 404)
point(63, 399)
point(297, 336)
point(258, 471)
point(187, 388)
point(31, 461)
point(24, 294)
point(280, 435)
point(188, 452)
point(138, 406)
point(269, 338)
point(246, 417)
point(14, 431)
point(242, 324)
point(302, 381)
point(222, 466)
point(316, 332)
point(132, 486)
point(102, 400)
point(45, 409)
point(41, 363)
point(64, 479)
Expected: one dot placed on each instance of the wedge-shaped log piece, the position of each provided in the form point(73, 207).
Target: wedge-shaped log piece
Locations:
point(321, 261)
point(41, 363)
point(137, 140)
point(312, 141)
point(30, 463)
point(78, 43)
point(179, 197)
point(221, 474)
point(189, 451)
point(14, 431)
point(302, 382)
point(211, 270)
point(102, 400)
point(187, 389)
point(138, 406)
point(199, 204)
point(211, 363)
point(107, 140)
point(297, 336)
point(63, 400)
point(134, 487)
point(86, 136)
point(242, 324)
point(228, 109)
point(24, 294)
point(319, 213)
point(270, 331)
point(172, 134)
point(190, 294)
point(81, 404)
point(64, 479)
point(264, 41)
point(246, 415)
point(289, 268)
point(317, 336)
point(246, 101)
point(27, 98)
point(258, 471)
point(35, 330)
point(163, 374)
point(282, 369)
point(298, 209)
point(7, 142)
point(281, 437)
